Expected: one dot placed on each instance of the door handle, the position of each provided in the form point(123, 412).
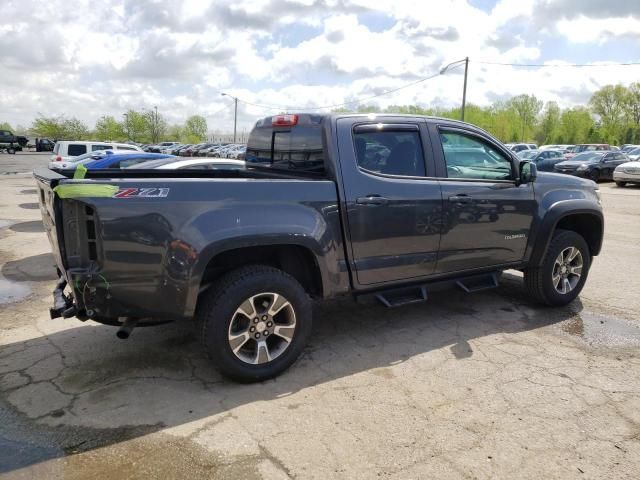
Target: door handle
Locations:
point(461, 199)
point(372, 200)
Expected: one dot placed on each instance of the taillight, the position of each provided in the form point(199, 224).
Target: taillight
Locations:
point(284, 120)
point(58, 158)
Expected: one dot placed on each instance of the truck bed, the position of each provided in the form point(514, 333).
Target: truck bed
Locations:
point(144, 250)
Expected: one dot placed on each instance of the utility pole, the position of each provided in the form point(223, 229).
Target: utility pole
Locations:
point(235, 114)
point(464, 89)
point(156, 132)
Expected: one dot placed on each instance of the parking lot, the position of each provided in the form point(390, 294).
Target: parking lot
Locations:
point(487, 385)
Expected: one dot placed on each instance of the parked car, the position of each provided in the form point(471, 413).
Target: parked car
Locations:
point(518, 147)
point(595, 165)
point(72, 162)
point(340, 204)
point(66, 149)
point(193, 164)
point(628, 172)
point(586, 147)
point(545, 160)
point(628, 147)
point(159, 147)
point(556, 147)
point(9, 142)
point(634, 154)
point(124, 160)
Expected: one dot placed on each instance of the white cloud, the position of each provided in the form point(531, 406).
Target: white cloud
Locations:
point(105, 57)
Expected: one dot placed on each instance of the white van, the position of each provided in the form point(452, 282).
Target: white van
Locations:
point(65, 149)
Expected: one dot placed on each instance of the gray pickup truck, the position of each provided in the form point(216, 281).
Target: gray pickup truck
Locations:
point(393, 207)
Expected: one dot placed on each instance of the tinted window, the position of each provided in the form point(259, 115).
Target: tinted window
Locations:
point(389, 152)
point(298, 149)
point(74, 149)
point(100, 147)
point(470, 157)
point(127, 148)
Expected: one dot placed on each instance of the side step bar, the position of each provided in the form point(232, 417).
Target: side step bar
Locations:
point(397, 297)
point(402, 296)
point(478, 282)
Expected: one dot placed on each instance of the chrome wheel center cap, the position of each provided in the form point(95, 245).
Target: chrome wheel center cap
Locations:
point(261, 327)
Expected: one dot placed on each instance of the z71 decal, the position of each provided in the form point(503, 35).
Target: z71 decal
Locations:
point(152, 192)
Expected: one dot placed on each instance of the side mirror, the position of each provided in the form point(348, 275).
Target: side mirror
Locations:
point(528, 172)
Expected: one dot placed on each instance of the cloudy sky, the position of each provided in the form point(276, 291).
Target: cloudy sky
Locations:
point(88, 58)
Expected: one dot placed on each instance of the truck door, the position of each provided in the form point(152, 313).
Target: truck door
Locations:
point(487, 216)
point(393, 211)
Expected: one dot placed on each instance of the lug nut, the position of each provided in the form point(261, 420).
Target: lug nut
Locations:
point(264, 317)
point(269, 324)
point(265, 333)
point(257, 335)
point(252, 329)
point(256, 320)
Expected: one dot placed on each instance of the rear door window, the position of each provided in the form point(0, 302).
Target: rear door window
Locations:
point(75, 149)
point(95, 148)
point(390, 152)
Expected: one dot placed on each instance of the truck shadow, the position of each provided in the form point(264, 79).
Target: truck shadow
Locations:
point(102, 391)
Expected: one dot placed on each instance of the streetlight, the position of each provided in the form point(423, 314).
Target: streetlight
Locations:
point(464, 89)
point(235, 115)
point(126, 124)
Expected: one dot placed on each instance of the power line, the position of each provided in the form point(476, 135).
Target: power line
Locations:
point(558, 65)
point(344, 104)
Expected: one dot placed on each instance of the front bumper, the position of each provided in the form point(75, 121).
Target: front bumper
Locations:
point(626, 177)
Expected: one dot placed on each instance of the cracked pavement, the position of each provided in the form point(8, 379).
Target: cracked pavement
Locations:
point(487, 385)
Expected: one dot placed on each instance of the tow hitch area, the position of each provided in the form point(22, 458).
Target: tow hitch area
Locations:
point(62, 305)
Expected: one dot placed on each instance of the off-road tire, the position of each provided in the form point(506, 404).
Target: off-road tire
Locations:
point(216, 308)
point(538, 280)
point(621, 184)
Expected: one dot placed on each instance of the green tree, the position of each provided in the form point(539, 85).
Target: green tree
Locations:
point(136, 126)
point(6, 126)
point(108, 128)
point(527, 108)
point(74, 129)
point(549, 123)
point(576, 126)
point(195, 129)
point(49, 127)
point(609, 103)
point(156, 125)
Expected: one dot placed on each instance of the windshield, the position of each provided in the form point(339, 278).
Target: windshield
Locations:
point(528, 154)
point(588, 157)
point(635, 151)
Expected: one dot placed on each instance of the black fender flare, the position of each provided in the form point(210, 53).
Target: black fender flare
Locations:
point(553, 216)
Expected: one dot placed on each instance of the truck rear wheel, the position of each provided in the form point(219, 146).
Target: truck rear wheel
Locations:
point(563, 272)
point(254, 322)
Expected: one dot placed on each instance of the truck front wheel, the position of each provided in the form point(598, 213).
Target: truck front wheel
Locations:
point(563, 272)
point(254, 322)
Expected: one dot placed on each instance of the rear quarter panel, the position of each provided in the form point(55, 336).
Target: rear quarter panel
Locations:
point(154, 250)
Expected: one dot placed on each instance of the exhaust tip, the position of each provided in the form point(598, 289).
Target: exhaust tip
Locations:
point(127, 327)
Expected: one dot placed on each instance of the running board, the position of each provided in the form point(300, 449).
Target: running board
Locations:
point(478, 283)
point(403, 296)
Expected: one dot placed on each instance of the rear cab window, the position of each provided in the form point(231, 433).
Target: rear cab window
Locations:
point(294, 148)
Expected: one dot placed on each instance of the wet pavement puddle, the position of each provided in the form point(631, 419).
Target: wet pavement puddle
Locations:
point(603, 330)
